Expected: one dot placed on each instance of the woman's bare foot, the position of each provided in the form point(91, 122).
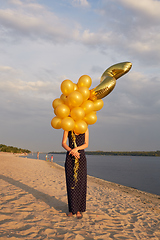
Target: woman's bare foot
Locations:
point(79, 215)
point(70, 214)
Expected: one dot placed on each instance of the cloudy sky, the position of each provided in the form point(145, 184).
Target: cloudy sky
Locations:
point(43, 42)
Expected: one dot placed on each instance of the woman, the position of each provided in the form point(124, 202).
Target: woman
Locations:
point(76, 188)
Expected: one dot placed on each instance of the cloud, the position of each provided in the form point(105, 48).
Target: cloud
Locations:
point(34, 21)
point(126, 28)
point(7, 69)
point(26, 4)
point(41, 45)
point(16, 2)
point(97, 38)
point(80, 3)
point(137, 96)
point(135, 30)
point(144, 9)
point(13, 84)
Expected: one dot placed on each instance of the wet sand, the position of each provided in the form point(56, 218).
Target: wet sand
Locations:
point(34, 205)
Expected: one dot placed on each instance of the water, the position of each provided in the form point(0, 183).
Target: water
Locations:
point(138, 172)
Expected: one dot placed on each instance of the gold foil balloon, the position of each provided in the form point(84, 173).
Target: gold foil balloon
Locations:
point(80, 127)
point(67, 124)
point(91, 118)
point(84, 81)
point(62, 111)
point(88, 106)
point(117, 70)
point(67, 86)
point(98, 104)
point(75, 99)
point(77, 113)
point(103, 89)
point(57, 102)
point(56, 123)
point(85, 92)
point(108, 80)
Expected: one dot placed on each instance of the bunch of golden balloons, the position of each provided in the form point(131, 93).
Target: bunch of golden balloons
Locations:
point(77, 106)
point(75, 110)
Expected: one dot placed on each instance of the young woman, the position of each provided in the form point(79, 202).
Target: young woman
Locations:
point(76, 184)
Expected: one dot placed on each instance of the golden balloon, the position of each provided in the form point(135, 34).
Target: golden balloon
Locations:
point(98, 104)
point(80, 127)
point(75, 99)
point(67, 124)
point(103, 89)
point(56, 123)
point(57, 102)
point(77, 113)
point(55, 111)
point(84, 81)
point(75, 87)
point(67, 86)
point(90, 118)
point(68, 104)
point(108, 80)
point(117, 70)
point(63, 98)
point(62, 111)
point(88, 106)
point(85, 92)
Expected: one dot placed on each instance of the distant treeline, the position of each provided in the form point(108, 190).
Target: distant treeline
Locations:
point(132, 153)
point(4, 148)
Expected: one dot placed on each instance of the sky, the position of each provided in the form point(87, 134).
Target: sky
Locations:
point(44, 42)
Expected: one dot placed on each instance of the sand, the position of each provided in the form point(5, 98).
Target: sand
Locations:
point(34, 205)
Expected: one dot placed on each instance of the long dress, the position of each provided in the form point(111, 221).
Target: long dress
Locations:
point(76, 193)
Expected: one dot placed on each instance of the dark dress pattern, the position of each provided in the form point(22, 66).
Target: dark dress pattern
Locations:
point(76, 193)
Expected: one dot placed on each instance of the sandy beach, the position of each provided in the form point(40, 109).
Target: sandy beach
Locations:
point(34, 205)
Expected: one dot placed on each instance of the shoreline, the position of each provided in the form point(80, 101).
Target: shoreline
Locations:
point(151, 189)
point(34, 205)
point(119, 153)
point(107, 184)
point(112, 184)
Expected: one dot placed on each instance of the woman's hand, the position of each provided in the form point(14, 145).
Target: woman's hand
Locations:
point(74, 152)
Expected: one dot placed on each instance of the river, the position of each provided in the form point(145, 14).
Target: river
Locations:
point(138, 172)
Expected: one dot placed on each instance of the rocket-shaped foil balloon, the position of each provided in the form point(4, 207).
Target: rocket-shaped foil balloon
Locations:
point(108, 80)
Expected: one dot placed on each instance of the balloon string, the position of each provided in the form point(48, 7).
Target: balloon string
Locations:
point(76, 161)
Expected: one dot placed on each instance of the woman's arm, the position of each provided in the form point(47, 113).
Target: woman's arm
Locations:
point(85, 145)
point(64, 141)
point(75, 153)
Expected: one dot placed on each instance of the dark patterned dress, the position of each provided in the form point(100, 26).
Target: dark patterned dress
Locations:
point(76, 193)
